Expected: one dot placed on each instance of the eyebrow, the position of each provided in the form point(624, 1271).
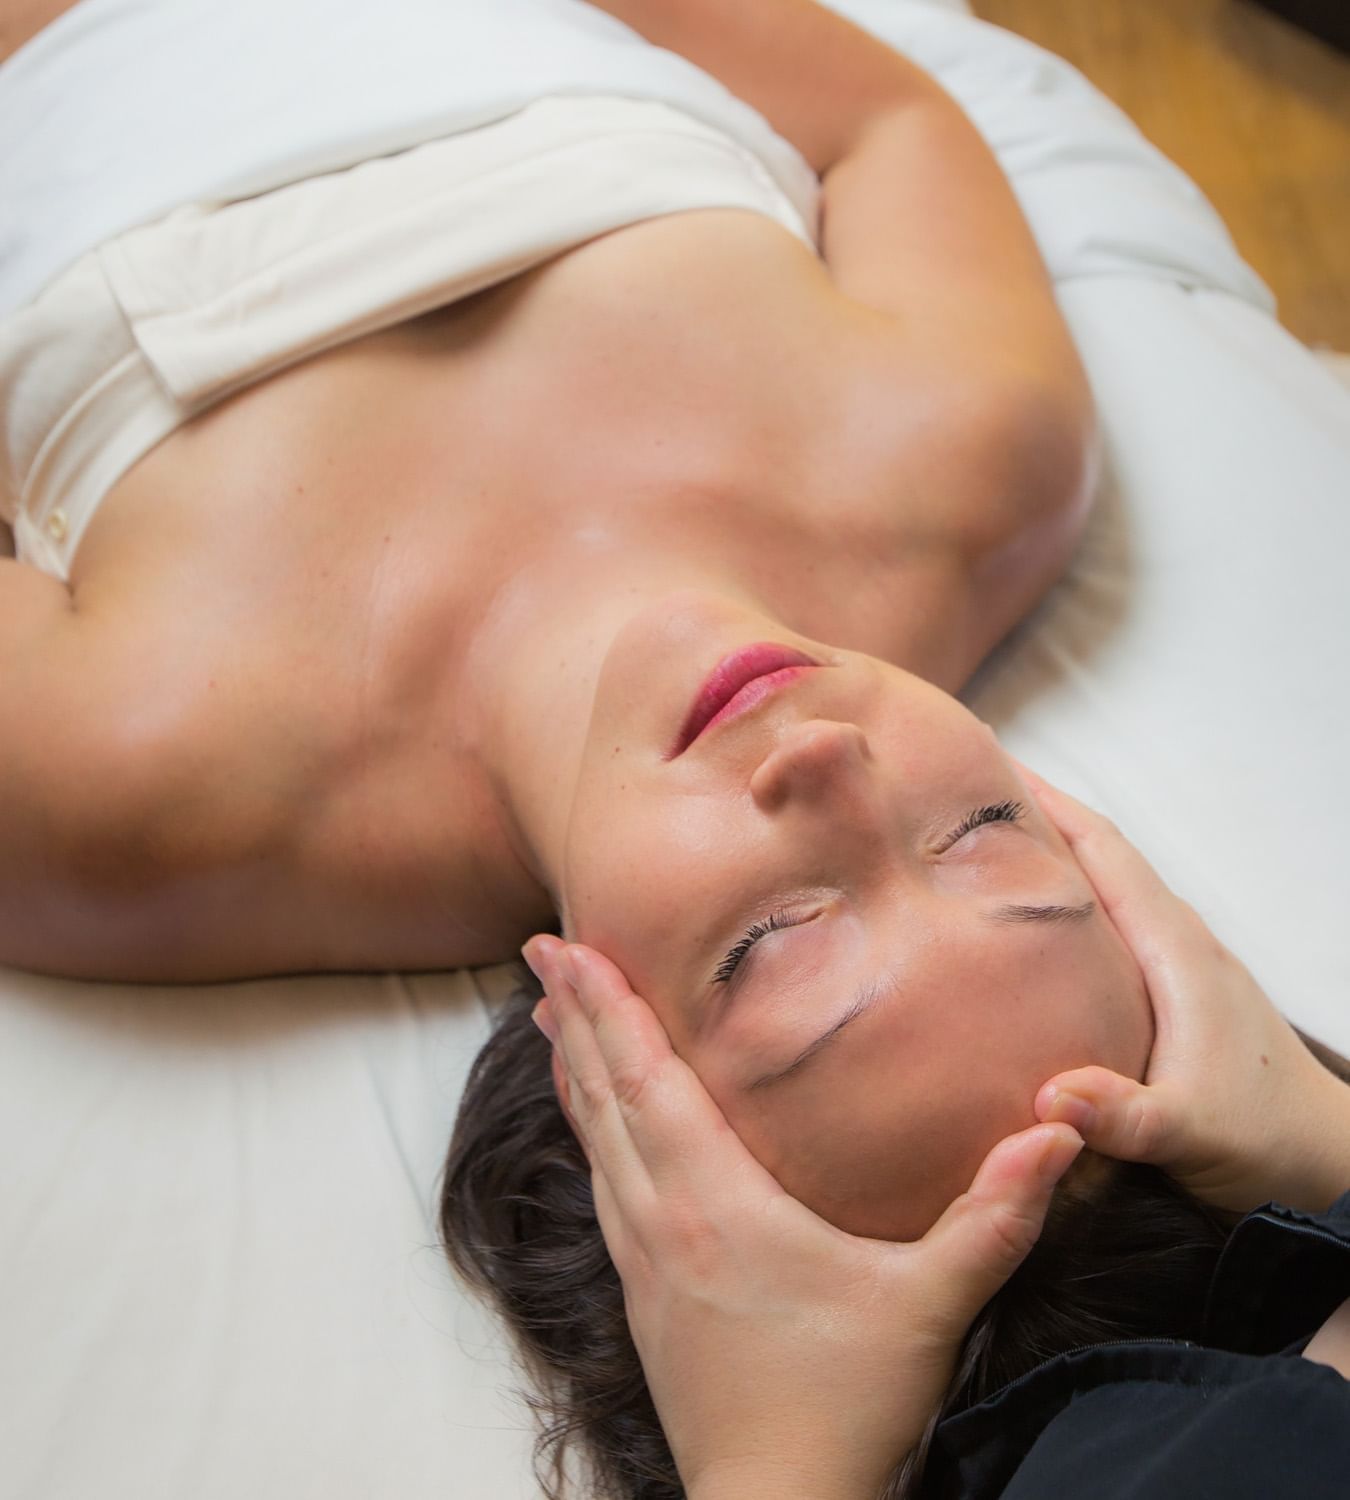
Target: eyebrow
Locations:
point(877, 989)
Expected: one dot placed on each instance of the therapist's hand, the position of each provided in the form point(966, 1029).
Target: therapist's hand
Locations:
point(784, 1357)
point(1232, 1105)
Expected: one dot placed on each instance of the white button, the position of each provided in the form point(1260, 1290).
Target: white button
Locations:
point(56, 525)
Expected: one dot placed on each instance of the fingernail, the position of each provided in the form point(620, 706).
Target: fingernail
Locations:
point(536, 954)
point(568, 968)
point(1073, 1110)
point(542, 1016)
point(1058, 1157)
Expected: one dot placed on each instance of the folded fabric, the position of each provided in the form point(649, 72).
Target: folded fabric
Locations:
point(158, 323)
point(123, 110)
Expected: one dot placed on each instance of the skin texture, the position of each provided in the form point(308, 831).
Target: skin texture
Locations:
point(834, 799)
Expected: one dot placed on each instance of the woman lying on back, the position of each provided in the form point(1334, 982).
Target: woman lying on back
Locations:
point(1134, 1337)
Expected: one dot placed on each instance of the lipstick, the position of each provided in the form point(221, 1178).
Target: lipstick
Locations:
point(738, 682)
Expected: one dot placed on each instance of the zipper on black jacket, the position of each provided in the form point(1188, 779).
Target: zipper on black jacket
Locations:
point(1082, 1349)
point(1264, 1215)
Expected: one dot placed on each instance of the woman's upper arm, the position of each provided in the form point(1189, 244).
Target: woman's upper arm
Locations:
point(34, 615)
point(919, 222)
point(71, 785)
point(21, 20)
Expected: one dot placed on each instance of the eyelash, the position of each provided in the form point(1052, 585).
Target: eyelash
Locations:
point(996, 812)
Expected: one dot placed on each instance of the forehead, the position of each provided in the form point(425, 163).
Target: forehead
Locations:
point(889, 1126)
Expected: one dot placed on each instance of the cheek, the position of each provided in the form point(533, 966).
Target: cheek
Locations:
point(631, 841)
point(1069, 999)
point(650, 879)
point(635, 893)
point(619, 876)
point(1043, 1002)
point(881, 1142)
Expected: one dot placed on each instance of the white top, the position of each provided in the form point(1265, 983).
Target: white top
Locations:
point(161, 321)
point(128, 108)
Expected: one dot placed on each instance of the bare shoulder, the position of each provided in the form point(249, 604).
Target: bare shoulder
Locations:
point(119, 800)
point(57, 779)
point(984, 446)
point(985, 471)
point(21, 20)
point(196, 792)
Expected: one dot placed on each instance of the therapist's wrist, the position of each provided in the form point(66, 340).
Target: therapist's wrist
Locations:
point(1328, 1170)
point(1306, 1165)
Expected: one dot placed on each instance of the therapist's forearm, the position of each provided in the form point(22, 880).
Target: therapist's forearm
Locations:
point(1312, 1169)
point(1330, 1345)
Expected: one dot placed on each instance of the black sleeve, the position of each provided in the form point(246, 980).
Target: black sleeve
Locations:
point(1282, 1274)
point(1239, 1416)
point(1284, 1431)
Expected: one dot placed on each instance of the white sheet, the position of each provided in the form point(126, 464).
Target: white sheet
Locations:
point(217, 1273)
point(194, 100)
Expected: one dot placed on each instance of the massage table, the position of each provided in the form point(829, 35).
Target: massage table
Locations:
point(218, 1265)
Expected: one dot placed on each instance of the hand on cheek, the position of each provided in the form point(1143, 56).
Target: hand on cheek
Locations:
point(772, 1342)
point(1232, 1104)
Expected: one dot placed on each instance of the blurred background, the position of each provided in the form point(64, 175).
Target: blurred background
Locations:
point(1253, 107)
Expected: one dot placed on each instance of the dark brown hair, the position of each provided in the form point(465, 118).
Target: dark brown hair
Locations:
point(1127, 1258)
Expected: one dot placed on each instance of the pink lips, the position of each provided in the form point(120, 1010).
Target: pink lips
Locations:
point(728, 690)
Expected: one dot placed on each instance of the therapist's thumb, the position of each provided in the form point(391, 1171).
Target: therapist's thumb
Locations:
point(1115, 1115)
point(990, 1229)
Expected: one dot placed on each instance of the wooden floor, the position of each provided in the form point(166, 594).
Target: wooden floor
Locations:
point(1253, 109)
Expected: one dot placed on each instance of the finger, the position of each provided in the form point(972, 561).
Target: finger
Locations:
point(990, 1229)
point(609, 1145)
point(1154, 922)
point(618, 1234)
point(621, 1240)
point(1114, 1114)
point(694, 1161)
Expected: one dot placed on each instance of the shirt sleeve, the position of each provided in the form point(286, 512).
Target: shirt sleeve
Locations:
point(1167, 1419)
point(1281, 1276)
point(1282, 1429)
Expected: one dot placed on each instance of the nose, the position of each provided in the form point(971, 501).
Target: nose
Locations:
point(820, 759)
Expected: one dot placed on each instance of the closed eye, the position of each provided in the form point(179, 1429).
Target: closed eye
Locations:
point(996, 812)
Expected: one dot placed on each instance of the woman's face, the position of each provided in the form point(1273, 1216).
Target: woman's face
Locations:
point(938, 977)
